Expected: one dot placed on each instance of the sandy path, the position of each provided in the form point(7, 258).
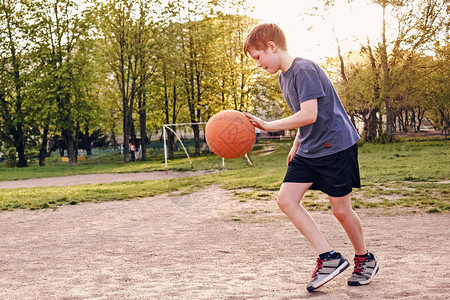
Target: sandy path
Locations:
point(189, 247)
point(96, 178)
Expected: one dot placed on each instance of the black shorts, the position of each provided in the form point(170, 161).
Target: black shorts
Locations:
point(335, 174)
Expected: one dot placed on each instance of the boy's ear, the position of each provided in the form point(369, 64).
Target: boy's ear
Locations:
point(272, 46)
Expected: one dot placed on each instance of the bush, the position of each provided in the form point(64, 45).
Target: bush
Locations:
point(385, 138)
point(10, 157)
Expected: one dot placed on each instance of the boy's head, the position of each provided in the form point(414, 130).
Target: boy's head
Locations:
point(260, 36)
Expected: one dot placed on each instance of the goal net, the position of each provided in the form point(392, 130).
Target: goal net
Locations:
point(180, 137)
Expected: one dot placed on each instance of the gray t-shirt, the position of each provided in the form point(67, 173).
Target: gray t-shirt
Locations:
point(333, 131)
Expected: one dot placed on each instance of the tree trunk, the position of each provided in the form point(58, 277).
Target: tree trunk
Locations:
point(420, 116)
point(196, 139)
point(75, 143)
point(191, 97)
point(126, 133)
point(403, 120)
point(371, 125)
point(166, 111)
point(43, 148)
point(172, 141)
point(20, 148)
point(143, 124)
point(68, 139)
point(386, 77)
point(371, 119)
point(87, 140)
point(341, 60)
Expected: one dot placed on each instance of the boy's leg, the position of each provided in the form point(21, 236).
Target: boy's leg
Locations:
point(343, 211)
point(365, 264)
point(289, 198)
point(330, 263)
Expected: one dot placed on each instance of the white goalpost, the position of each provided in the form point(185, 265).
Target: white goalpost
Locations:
point(168, 127)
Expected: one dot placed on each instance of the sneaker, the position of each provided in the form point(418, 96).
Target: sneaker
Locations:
point(365, 270)
point(326, 270)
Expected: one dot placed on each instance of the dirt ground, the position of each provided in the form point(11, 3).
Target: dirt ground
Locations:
point(209, 245)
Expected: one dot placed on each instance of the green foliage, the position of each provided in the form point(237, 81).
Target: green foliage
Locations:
point(14, 126)
point(51, 52)
point(440, 89)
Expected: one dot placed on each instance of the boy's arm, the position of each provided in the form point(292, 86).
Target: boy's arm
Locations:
point(305, 116)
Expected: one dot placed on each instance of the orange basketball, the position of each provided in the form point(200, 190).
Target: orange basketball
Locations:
point(230, 134)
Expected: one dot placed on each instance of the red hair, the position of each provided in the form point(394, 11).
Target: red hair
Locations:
point(261, 34)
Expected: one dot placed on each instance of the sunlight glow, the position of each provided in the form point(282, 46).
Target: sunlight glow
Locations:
point(312, 36)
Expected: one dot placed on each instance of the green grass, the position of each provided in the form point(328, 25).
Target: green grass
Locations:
point(413, 161)
point(408, 174)
point(36, 198)
point(113, 163)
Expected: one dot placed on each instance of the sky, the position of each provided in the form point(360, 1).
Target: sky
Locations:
point(313, 38)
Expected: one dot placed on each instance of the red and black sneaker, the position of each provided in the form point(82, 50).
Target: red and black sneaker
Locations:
point(365, 269)
point(326, 270)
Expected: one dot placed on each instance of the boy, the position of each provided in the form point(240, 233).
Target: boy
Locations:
point(323, 156)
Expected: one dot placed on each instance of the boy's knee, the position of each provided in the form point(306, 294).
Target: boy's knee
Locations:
point(285, 203)
point(341, 212)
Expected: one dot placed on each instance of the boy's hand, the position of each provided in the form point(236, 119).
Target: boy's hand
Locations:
point(261, 124)
point(291, 154)
point(294, 148)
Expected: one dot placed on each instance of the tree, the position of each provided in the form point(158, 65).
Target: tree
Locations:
point(147, 41)
point(171, 89)
point(60, 36)
point(233, 70)
point(409, 29)
point(12, 86)
point(196, 44)
point(125, 46)
point(419, 24)
point(440, 90)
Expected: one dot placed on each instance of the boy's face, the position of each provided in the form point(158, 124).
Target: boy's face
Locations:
point(266, 59)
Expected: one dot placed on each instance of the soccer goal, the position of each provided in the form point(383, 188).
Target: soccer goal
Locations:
point(184, 129)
